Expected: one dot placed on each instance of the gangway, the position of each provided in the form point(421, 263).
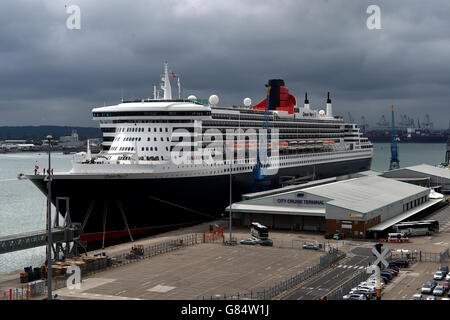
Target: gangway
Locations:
point(28, 240)
point(65, 237)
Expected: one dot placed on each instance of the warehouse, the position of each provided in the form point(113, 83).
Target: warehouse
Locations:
point(439, 178)
point(352, 207)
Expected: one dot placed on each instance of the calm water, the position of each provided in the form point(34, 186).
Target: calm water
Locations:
point(23, 206)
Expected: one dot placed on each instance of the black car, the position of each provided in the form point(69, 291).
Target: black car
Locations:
point(387, 275)
point(385, 279)
point(393, 272)
point(393, 267)
point(401, 263)
point(266, 243)
point(444, 269)
point(328, 236)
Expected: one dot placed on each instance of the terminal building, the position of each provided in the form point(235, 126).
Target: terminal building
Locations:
point(424, 174)
point(362, 207)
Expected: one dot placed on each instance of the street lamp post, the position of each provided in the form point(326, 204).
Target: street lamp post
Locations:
point(231, 199)
point(49, 220)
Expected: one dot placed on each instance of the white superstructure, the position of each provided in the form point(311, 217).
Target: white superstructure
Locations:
point(142, 137)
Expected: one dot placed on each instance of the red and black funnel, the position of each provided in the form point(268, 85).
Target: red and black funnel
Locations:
point(279, 97)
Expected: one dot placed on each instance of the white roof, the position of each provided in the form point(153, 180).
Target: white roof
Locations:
point(431, 170)
point(254, 208)
point(153, 106)
point(365, 194)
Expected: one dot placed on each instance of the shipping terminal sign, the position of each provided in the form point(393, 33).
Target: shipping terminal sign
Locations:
point(356, 216)
point(300, 202)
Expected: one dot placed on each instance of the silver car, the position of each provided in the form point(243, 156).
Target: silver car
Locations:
point(439, 275)
point(439, 291)
point(311, 246)
point(417, 296)
point(427, 288)
point(355, 297)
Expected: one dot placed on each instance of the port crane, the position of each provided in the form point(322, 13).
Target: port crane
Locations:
point(383, 122)
point(395, 163)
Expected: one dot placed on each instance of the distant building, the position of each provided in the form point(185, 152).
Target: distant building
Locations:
point(70, 141)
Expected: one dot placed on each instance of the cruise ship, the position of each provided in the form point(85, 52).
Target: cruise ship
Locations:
point(167, 163)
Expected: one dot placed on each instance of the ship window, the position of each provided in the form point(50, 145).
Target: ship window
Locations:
point(146, 149)
point(155, 138)
point(160, 129)
point(148, 139)
point(154, 129)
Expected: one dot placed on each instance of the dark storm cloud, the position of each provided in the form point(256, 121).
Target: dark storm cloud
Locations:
point(52, 75)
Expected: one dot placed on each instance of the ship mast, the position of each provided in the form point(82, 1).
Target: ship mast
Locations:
point(166, 83)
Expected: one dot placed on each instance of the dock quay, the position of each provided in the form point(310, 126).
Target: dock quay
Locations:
point(190, 269)
point(195, 264)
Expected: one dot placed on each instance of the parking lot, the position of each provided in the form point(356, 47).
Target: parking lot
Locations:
point(204, 270)
point(410, 281)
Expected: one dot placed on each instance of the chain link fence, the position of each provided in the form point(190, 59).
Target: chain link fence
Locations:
point(266, 294)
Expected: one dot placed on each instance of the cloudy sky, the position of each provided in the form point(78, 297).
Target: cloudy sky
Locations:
point(50, 74)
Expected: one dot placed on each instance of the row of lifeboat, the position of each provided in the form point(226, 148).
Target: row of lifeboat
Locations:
point(284, 144)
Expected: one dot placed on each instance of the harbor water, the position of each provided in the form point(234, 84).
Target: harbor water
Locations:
point(23, 206)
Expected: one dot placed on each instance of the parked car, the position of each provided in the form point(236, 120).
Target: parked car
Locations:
point(338, 236)
point(368, 294)
point(373, 283)
point(393, 267)
point(447, 277)
point(250, 241)
point(395, 273)
point(439, 275)
point(329, 236)
point(445, 284)
point(400, 262)
point(383, 279)
point(444, 269)
point(416, 296)
point(439, 291)
point(431, 298)
point(427, 288)
point(364, 288)
point(266, 243)
point(312, 246)
point(387, 274)
point(354, 297)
